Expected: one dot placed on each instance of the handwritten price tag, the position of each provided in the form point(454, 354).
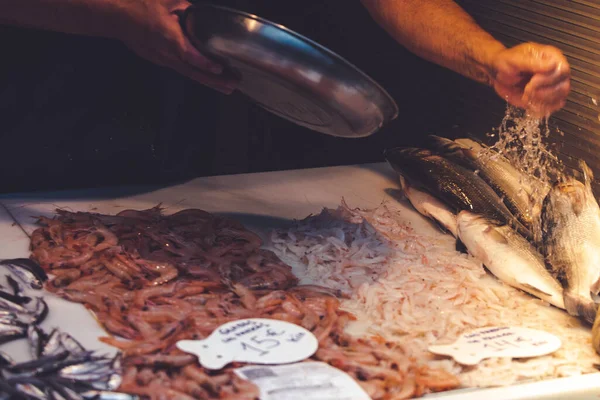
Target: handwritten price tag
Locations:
point(254, 340)
point(479, 344)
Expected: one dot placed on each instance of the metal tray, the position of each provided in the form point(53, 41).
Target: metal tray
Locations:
point(289, 74)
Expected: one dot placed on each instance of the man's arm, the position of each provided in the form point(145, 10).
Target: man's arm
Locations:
point(530, 75)
point(150, 28)
point(439, 31)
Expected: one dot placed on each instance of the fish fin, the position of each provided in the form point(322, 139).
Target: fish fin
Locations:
point(460, 247)
point(588, 174)
point(580, 306)
point(534, 290)
point(495, 234)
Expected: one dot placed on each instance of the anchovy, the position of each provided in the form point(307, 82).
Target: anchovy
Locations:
point(17, 290)
point(509, 256)
point(5, 360)
point(20, 300)
point(69, 343)
point(31, 390)
point(456, 186)
point(571, 225)
point(36, 338)
point(105, 395)
point(28, 271)
point(29, 366)
point(61, 369)
point(9, 332)
point(53, 344)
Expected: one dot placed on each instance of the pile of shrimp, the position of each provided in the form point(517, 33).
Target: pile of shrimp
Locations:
point(152, 280)
point(416, 290)
point(144, 248)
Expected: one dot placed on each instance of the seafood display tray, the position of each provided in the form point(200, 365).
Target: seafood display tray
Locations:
point(260, 201)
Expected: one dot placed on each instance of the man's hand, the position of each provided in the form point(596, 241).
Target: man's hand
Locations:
point(532, 76)
point(151, 29)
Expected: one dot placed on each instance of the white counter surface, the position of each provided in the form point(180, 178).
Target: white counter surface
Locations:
point(261, 201)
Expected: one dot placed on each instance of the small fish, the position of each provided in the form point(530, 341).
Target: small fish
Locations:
point(17, 290)
point(31, 390)
point(12, 332)
point(70, 344)
point(519, 192)
point(36, 338)
point(430, 207)
point(27, 271)
point(53, 343)
point(29, 366)
point(571, 226)
point(509, 256)
point(5, 360)
point(103, 395)
point(451, 183)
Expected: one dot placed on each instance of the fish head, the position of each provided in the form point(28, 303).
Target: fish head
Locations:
point(566, 198)
point(406, 160)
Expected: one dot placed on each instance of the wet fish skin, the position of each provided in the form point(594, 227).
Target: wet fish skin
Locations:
point(36, 338)
point(430, 207)
point(451, 183)
point(571, 225)
point(53, 343)
point(518, 191)
point(104, 395)
point(69, 343)
point(5, 360)
point(27, 270)
point(509, 256)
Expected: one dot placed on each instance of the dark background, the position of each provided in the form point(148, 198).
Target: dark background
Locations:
point(84, 112)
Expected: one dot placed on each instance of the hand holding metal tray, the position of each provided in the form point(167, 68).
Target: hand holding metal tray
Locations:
point(288, 74)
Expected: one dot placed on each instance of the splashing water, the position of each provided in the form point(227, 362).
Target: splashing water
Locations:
point(521, 141)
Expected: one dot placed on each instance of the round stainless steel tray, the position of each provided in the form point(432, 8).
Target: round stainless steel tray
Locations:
point(289, 74)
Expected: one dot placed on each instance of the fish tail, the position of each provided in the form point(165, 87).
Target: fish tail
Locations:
point(577, 305)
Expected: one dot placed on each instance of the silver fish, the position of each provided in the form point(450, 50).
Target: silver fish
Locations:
point(571, 225)
point(32, 390)
point(27, 271)
point(101, 395)
point(53, 343)
point(458, 187)
point(523, 195)
point(509, 256)
point(430, 207)
point(36, 338)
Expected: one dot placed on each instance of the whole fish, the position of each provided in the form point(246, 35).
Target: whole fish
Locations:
point(455, 185)
point(430, 207)
point(571, 226)
point(28, 271)
point(509, 256)
point(522, 195)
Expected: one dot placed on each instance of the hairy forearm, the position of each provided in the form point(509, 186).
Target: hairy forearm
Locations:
point(439, 31)
point(83, 17)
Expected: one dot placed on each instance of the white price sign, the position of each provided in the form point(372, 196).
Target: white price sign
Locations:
point(253, 340)
point(482, 343)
